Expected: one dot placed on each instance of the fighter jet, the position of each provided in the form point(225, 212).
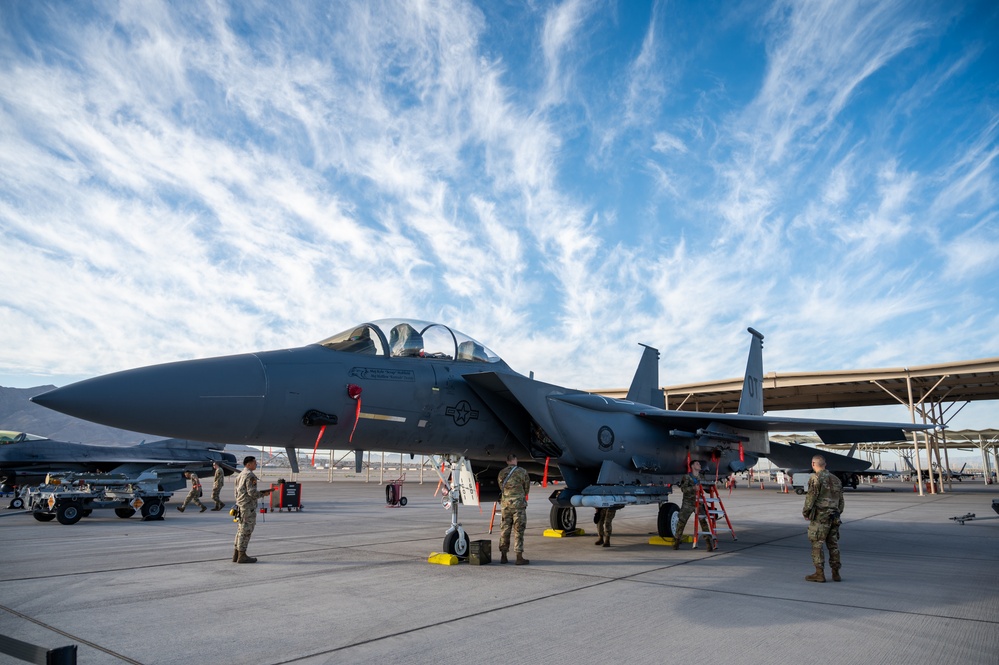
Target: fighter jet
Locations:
point(413, 387)
point(796, 460)
point(25, 459)
point(947, 474)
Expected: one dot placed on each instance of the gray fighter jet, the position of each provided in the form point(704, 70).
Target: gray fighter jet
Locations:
point(796, 460)
point(25, 459)
point(417, 387)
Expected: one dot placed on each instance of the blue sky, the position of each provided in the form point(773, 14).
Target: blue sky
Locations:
point(560, 180)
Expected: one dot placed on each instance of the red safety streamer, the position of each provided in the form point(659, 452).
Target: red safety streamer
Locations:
point(354, 391)
point(322, 430)
point(688, 460)
point(742, 453)
point(544, 478)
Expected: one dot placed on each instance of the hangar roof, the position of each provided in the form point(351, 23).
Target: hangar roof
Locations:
point(962, 381)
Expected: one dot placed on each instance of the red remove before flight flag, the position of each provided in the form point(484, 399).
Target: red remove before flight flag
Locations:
point(322, 430)
point(354, 392)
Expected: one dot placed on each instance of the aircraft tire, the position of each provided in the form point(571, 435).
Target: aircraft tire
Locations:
point(669, 515)
point(69, 513)
point(124, 513)
point(454, 545)
point(152, 510)
point(562, 518)
point(17, 503)
point(43, 517)
point(390, 497)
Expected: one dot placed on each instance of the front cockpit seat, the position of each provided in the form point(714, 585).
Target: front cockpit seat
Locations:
point(359, 342)
point(404, 341)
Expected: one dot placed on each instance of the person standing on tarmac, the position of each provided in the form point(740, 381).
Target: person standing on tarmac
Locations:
point(823, 506)
point(217, 486)
point(688, 485)
point(195, 493)
point(514, 485)
point(247, 496)
point(603, 518)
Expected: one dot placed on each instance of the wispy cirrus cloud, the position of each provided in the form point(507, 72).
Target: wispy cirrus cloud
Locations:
point(562, 180)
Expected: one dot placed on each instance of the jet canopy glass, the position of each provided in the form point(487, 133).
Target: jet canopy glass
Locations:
point(17, 437)
point(410, 338)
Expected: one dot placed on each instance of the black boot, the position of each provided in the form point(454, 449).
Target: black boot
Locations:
point(503, 558)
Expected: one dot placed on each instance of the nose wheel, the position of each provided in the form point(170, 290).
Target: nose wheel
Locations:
point(456, 542)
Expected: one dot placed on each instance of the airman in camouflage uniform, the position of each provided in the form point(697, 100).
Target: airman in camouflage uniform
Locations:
point(603, 519)
point(217, 487)
point(514, 485)
point(246, 500)
point(823, 506)
point(688, 485)
point(195, 493)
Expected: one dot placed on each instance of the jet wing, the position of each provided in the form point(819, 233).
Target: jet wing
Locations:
point(799, 458)
point(830, 431)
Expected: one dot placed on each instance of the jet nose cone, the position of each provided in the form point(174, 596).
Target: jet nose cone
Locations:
point(216, 399)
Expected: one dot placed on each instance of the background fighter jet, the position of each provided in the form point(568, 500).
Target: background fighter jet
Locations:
point(419, 387)
point(796, 459)
point(25, 459)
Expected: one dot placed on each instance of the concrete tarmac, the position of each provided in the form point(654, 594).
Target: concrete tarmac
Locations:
point(346, 580)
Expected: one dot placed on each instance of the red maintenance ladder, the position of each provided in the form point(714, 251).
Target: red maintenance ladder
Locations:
point(710, 504)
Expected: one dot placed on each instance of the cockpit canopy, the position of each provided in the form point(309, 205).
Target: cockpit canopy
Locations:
point(401, 338)
point(17, 437)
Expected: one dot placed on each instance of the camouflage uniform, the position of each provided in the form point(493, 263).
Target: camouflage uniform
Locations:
point(603, 518)
point(194, 495)
point(217, 488)
point(514, 484)
point(688, 486)
point(246, 498)
point(823, 505)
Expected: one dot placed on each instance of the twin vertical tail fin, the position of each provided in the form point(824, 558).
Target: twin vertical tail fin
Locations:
point(645, 386)
point(751, 402)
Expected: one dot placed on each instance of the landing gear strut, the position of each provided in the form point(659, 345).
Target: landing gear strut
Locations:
point(455, 538)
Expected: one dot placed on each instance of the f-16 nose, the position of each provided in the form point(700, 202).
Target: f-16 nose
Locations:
point(216, 399)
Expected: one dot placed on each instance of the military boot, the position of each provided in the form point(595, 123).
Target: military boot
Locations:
point(204, 508)
point(676, 541)
point(180, 508)
point(607, 540)
point(600, 539)
point(818, 576)
point(249, 559)
point(835, 575)
point(503, 558)
point(521, 561)
point(235, 555)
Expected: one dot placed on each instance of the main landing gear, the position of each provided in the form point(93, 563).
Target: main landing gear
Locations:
point(668, 520)
point(562, 518)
